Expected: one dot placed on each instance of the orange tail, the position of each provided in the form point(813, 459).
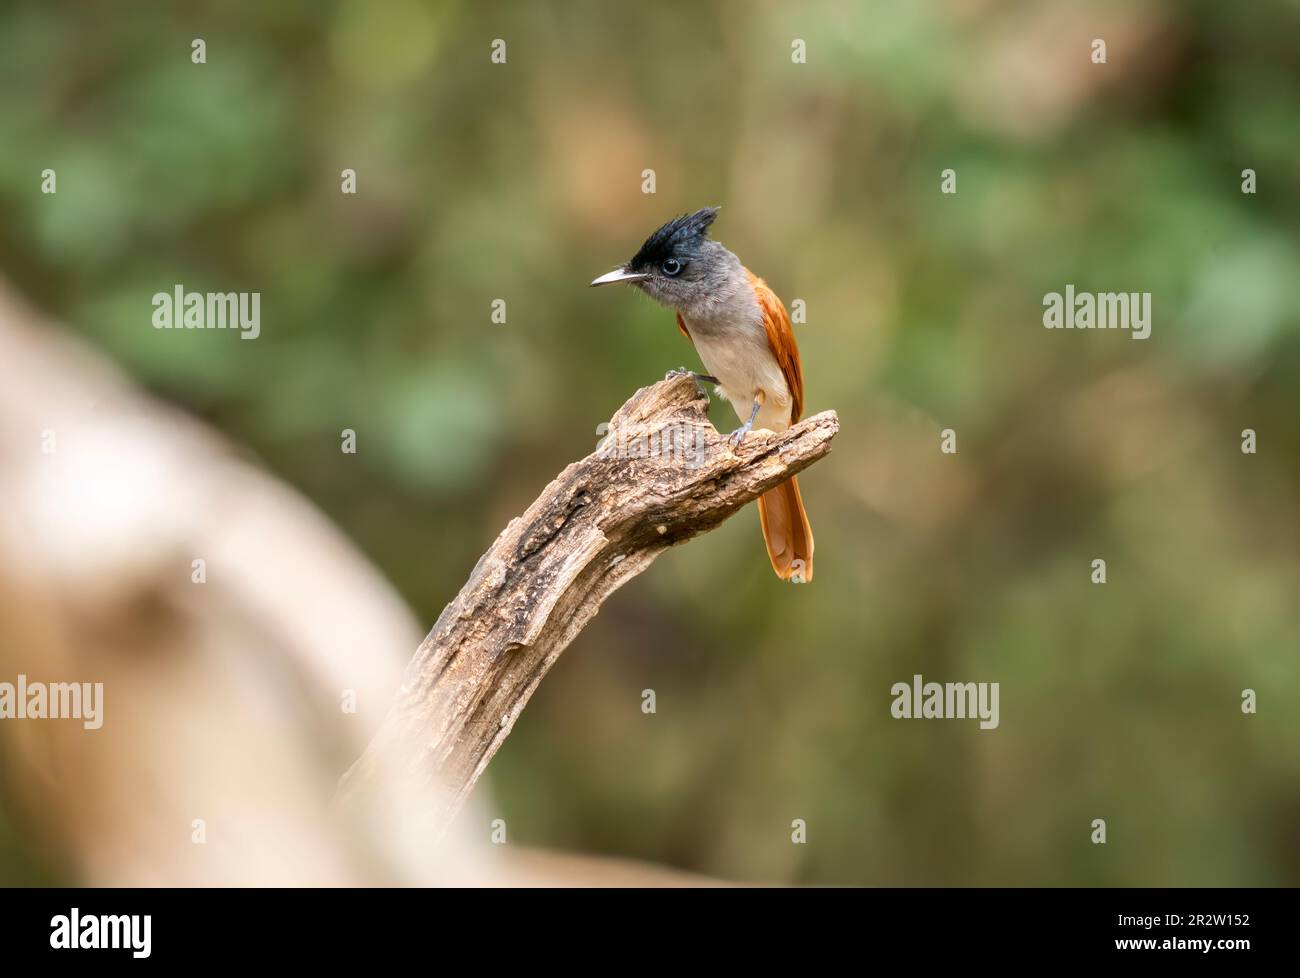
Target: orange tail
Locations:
point(786, 532)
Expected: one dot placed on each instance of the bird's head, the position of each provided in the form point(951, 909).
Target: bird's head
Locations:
point(678, 265)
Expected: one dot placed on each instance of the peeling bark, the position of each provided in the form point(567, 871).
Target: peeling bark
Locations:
point(601, 522)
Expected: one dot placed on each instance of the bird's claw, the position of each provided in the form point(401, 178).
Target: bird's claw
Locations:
point(737, 436)
point(699, 380)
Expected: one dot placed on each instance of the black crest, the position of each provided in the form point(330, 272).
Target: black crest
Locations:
point(680, 238)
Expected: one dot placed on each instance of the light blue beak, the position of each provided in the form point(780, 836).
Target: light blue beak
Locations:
point(619, 275)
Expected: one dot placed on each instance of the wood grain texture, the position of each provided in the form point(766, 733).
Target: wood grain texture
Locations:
point(601, 522)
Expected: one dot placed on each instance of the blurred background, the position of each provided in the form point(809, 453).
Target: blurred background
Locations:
point(522, 181)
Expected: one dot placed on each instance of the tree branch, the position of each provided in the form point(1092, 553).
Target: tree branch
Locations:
point(661, 476)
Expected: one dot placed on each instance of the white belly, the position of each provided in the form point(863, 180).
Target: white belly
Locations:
point(733, 347)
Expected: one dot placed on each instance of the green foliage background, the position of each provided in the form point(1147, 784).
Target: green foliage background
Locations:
point(522, 181)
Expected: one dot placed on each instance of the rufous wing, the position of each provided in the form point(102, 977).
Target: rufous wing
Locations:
point(780, 337)
point(786, 531)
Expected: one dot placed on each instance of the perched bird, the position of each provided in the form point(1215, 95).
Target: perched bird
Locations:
point(742, 333)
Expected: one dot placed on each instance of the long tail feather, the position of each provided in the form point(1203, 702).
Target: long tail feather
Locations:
point(786, 532)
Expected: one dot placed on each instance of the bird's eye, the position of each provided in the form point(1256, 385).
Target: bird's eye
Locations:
point(671, 267)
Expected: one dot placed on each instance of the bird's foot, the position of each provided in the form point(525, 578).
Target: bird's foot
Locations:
point(699, 379)
point(737, 436)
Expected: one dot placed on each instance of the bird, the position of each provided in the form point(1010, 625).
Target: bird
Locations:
point(742, 334)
